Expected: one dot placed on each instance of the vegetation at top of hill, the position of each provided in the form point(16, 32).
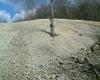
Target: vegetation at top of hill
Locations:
point(69, 9)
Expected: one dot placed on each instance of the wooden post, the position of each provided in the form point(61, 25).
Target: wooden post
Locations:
point(51, 18)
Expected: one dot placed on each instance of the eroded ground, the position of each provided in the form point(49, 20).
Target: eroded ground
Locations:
point(28, 52)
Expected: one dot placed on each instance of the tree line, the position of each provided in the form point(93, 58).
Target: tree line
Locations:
point(68, 9)
point(72, 9)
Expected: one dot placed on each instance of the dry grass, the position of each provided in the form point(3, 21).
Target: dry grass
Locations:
point(27, 51)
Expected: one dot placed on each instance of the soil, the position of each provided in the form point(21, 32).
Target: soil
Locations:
point(28, 52)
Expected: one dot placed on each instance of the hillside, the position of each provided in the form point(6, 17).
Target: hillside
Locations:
point(28, 52)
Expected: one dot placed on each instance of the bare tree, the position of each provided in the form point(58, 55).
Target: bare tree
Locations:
point(51, 19)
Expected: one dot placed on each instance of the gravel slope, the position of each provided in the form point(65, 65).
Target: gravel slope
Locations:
point(28, 52)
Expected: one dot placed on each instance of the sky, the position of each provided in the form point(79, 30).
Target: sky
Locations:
point(11, 10)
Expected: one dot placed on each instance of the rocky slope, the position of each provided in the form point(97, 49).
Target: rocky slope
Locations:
point(28, 52)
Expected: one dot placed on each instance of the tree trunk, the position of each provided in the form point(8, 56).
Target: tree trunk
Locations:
point(51, 19)
point(52, 29)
